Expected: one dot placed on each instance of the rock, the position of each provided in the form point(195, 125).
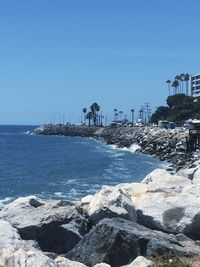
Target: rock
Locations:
point(171, 204)
point(156, 175)
point(196, 176)
point(110, 202)
point(9, 236)
point(57, 226)
point(102, 265)
point(140, 262)
point(29, 258)
point(118, 242)
point(187, 173)
point(64, 262)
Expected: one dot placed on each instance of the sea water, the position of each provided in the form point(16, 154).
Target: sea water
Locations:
point(63, 167)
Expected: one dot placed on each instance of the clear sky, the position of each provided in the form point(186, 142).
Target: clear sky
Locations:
point(63, 55)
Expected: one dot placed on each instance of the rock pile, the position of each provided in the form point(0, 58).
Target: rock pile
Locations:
point(117, 226)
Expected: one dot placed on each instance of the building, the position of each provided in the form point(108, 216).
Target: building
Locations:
point(195, 85)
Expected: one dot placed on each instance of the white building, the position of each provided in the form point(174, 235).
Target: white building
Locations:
point(195, 85)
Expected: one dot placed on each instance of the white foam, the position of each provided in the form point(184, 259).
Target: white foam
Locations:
point(5, 201)
point(133, 148)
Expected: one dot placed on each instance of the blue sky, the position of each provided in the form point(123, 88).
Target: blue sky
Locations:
point(58, 56)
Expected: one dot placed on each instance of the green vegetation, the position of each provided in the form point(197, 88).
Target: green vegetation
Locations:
point(177, 85)
point(180, 108)
point(93, 115)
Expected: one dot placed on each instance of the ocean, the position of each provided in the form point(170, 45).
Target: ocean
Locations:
point(61, 167)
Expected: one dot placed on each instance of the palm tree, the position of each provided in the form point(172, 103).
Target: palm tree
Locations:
point(120, 115)
point(178, 79)
point(187, 77)
point(84, 112)
point(169, 83)
point(182, 79)
point(89, 117)
point(95, 108)
point(132, 116)
point(175, 84)
point(115, 114)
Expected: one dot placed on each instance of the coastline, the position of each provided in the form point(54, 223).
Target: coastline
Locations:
point(166, 145)
point(118, 224)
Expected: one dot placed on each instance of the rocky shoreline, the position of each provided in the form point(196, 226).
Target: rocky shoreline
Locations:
point(166, 145)
point(130, 224)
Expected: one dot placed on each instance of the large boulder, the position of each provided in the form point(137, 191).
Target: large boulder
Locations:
point(56, 225)
point(118, 242)
point(170, 204)
point(110, 202)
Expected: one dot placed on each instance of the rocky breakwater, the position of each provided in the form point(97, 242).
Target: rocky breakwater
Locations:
point(127, 224)
point(66, 130)
point(165, 144)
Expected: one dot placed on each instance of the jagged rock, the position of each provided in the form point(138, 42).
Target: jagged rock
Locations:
point(140, 262)
point(56, 225)
point(9, 236)
point(118, 242)
point(171, 204)
point(30, 258)
point(64, 262)
point(110, 202)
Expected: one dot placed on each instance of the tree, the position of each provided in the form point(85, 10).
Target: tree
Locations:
point(168, 83)
point(115, 114)
point(187, 77)
point(175, 100)
point(84, 112)
point(160, 114)
point(182, 79)
point(132, 116)
point(95, 108)
point(120, 115)
point(89, 117)
point(175, 85)
point(177, 78)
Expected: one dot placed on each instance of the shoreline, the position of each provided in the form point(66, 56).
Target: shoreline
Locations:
point(124, 224)
point(165, 145)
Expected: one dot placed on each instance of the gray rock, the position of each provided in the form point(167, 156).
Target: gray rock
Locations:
point(56, 225)
point(118, 242)
point(110, 202)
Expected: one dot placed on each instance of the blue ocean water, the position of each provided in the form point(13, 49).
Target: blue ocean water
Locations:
point(63, 167)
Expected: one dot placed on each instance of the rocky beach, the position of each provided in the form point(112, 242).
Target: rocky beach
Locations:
point(130, 224)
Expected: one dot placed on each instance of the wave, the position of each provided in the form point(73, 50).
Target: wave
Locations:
point(133, 148)
point(5, 201)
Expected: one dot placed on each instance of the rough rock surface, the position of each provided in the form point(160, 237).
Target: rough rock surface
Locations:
point(110, 202)
point(140, 262)
point(30, 258)
point(64, 262)
point(56, 225)
point(171, 204)
point(118, 242)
